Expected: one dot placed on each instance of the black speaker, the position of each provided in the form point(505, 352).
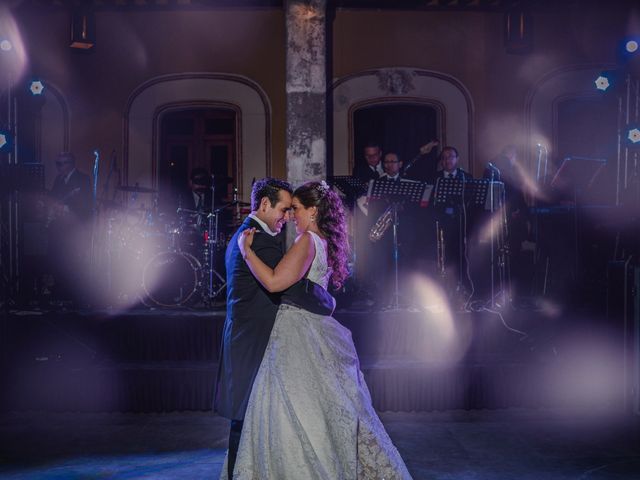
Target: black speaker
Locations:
point(623, 310)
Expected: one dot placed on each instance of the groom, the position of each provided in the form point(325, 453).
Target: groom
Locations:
point(251, 310)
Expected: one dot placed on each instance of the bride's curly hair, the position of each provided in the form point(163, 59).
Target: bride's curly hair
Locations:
point(331, 223)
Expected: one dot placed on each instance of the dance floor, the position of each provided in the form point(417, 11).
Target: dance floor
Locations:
point(526, 444)
point(464, 395)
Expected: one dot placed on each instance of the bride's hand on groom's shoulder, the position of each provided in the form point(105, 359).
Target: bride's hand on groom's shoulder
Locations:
point(245, 240)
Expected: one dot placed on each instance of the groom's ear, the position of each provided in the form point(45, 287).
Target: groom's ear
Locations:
point(265, 203)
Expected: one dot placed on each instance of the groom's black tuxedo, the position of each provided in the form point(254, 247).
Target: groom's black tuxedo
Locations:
point(251, 312)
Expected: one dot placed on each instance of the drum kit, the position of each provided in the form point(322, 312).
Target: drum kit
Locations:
point(164, 260)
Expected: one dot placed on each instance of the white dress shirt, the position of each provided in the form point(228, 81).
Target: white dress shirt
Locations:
point(264, 226)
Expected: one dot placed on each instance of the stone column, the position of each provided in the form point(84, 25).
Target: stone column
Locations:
point(306, 90)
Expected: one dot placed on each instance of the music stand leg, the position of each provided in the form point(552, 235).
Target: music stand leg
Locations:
point(396, 293)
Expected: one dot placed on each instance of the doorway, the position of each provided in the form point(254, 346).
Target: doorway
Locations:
point(196, 138)
point(401, 128)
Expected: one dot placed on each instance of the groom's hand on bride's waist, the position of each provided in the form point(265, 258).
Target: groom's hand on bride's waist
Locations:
point(309, 296)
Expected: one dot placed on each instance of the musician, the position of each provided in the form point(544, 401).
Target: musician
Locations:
point(371, 169)
point(68, 225)
point(198, 196)
point(448, 161)
point(71, 191)
point(451, 218)
point(392, 166)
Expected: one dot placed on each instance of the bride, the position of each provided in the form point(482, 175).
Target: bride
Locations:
point(310, 413)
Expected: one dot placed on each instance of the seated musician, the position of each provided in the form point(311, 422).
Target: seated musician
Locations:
point(199, 195)
point(71, 192)
point(68, 226)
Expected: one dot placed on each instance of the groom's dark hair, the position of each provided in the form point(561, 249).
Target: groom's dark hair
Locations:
point(270, 188)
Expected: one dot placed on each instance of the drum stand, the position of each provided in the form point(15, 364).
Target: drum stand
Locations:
point(215, 282)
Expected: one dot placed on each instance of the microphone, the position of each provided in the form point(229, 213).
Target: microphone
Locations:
point(495, 169)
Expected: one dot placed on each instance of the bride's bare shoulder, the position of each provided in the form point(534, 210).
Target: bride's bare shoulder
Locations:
point(304, 239)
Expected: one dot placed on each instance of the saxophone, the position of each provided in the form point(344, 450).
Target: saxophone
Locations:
point(382, 224)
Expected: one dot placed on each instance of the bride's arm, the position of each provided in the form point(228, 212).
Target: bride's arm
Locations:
point(291, 268)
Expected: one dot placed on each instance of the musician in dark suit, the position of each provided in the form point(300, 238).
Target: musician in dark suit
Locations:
point(448, 161)
point(365, 169)
point(451, 218)
point(371, 168)
point(68, 225)
point(71, 191)
point(251, 310)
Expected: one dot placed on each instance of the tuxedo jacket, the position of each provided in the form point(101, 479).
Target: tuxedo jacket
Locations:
point(251, 313)
point(459, 175)
point(364, 172)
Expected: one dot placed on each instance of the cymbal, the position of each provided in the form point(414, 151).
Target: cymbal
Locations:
point(136, 189)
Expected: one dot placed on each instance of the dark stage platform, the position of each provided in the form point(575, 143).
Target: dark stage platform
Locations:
point(166, 360)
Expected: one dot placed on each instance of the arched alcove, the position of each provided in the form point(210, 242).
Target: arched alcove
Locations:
point(543, 100)
point(53, 126)
point(402, 86)
point(171, 92)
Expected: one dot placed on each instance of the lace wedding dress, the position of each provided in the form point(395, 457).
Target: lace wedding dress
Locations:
point(310, 414)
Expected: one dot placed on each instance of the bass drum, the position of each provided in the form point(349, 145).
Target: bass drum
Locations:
point(171, 279)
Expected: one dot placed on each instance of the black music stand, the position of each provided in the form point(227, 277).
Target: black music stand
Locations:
point(467, 192)
point(455, 190)
point(396, 193)
point(579, 174)
point(351, 187)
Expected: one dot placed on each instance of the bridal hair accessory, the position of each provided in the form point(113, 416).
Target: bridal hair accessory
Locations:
point(323, 188)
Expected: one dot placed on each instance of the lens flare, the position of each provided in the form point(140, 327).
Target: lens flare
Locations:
point(14, 57)
point(439, 337)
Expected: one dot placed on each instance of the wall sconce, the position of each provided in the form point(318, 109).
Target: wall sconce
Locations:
point(83, 29)
point(6, 141)
point(518, 31)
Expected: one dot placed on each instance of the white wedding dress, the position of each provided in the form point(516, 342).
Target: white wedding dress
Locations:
point(310, 414)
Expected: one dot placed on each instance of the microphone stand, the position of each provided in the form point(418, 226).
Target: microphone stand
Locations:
point(94, 201)
point(212, 240)
point(493, 173)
